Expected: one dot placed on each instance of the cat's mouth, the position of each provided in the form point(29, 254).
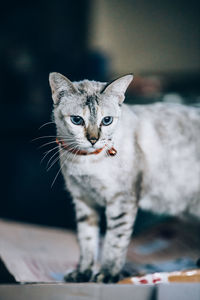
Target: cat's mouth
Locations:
point(68, 148)
point(64, 146)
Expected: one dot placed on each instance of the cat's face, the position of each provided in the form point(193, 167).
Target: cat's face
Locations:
point(87, 113)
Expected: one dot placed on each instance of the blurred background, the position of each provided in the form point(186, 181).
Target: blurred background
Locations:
point(158, 41)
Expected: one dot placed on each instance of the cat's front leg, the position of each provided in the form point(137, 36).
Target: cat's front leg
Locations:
point(120, 215)
point(88, 231)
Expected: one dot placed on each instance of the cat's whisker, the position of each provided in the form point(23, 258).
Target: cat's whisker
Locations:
point(106, 152)
point(70, 143)
point(47, 152)
point(68, 140)
point(66, 136)
point(55, 160)
point(52, 157)
point(45, 124)
point(58, 172)
point(51, 136)
point(75, 154)
point(46, 144)
point(75, 149)
point(43, 137)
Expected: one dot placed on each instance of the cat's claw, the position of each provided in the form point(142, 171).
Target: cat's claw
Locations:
point(77, 276)
point(105, 278)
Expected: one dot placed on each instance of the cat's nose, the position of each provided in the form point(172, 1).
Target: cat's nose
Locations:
point(93, 140)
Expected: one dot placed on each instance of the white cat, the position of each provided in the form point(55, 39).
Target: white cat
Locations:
point(122, 157)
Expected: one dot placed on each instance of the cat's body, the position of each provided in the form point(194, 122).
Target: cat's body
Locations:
point(157, 165)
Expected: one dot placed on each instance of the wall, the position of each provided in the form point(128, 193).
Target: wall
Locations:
point(147, 36)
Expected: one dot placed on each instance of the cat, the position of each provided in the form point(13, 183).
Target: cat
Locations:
point(122, 157)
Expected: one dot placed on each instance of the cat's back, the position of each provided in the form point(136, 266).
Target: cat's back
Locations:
point(175, 121)
point(169, 139)
point(168, 111)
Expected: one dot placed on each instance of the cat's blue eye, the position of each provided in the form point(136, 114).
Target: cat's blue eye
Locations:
point(77, 120)
point(107, 121)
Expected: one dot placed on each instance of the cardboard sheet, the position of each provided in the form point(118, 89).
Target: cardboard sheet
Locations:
point(32, 253)
point(37, 254)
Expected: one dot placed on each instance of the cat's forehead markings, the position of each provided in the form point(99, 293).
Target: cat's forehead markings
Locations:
point(92, 104)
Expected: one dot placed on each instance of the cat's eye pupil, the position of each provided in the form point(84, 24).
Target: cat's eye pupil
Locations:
point(77, 120)
point(107, 120)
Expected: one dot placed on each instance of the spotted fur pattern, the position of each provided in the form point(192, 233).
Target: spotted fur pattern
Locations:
point(157, 166)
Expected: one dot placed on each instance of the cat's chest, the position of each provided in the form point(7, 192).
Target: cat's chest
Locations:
point(90, 188)
point(97, 181)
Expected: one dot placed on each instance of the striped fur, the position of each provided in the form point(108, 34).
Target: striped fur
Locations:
point(156, 167)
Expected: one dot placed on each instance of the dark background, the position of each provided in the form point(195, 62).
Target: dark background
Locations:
point(38, 37)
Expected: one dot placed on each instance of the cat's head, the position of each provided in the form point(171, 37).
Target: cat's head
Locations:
point(86, 113)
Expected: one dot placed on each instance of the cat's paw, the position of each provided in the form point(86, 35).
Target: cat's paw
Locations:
point(106, 277)
point(78, 276)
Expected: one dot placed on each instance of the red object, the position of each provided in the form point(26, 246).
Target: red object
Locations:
point(156, 280)
point(143, 281)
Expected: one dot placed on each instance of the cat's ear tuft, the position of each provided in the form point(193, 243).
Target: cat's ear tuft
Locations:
point(119, 86)
point(58, 84)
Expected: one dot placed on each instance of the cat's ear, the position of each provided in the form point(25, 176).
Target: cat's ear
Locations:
point(59, 84)
point(119, 86)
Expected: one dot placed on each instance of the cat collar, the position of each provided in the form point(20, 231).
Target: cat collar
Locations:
point(110, 152)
